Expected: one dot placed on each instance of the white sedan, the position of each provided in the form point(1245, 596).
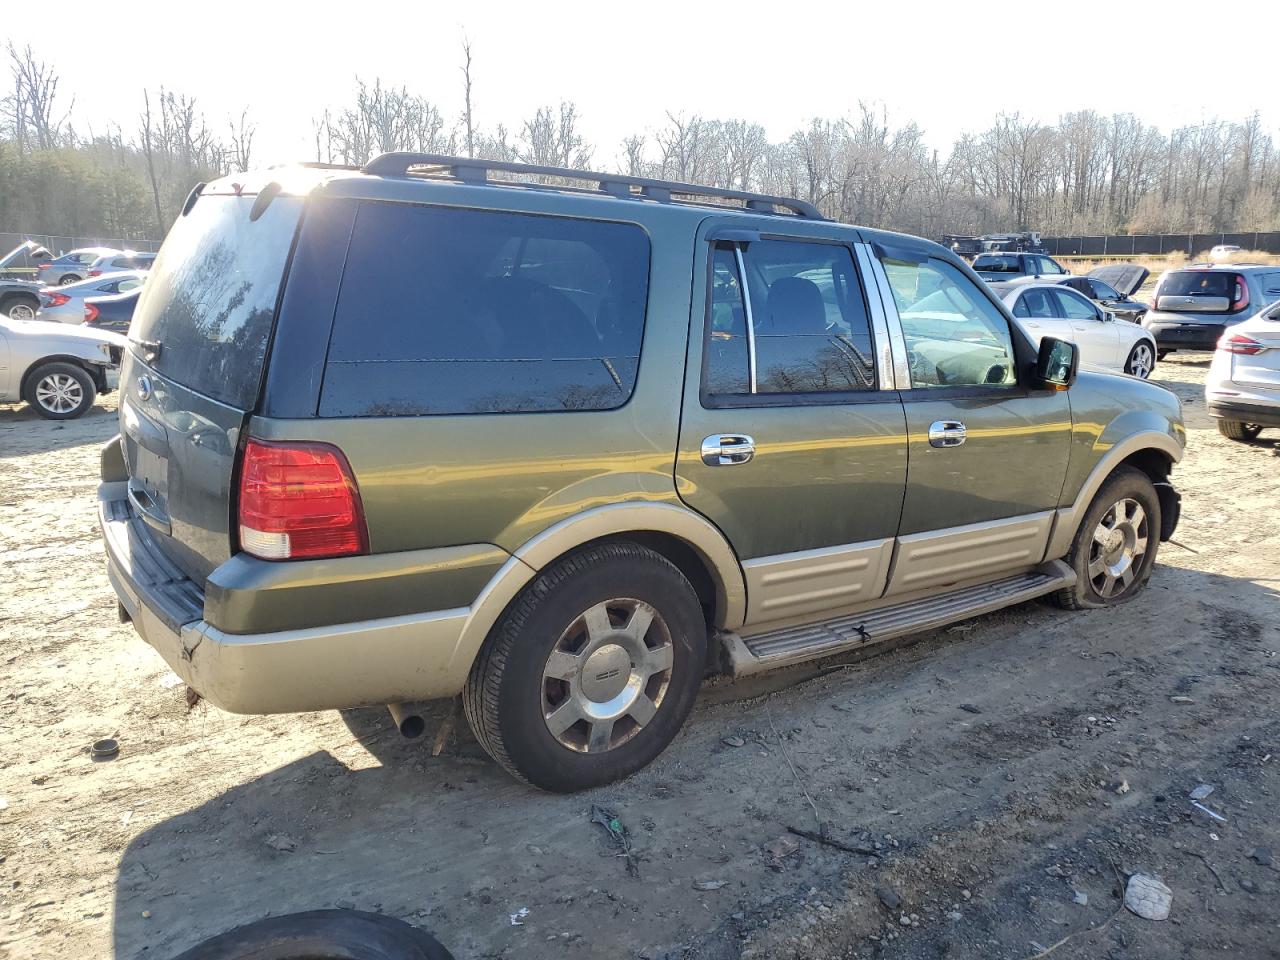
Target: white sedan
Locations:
point(1243, 386)
point(1052, 310)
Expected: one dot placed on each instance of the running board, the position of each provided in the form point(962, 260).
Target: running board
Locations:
point(777, 648)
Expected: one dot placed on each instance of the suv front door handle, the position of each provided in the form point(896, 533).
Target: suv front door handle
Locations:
point(727, 449)
point(946, 433)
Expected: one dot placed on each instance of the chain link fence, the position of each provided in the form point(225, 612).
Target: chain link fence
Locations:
point(1146, 245)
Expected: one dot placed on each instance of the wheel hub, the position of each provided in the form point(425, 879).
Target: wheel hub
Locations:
point(606, 672)
point(1119, 544)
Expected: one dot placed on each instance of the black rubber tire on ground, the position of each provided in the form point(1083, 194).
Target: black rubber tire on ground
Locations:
point(322, 935)
point(1126, 482)
point(11, 303)
point(1236, 430)
point(504, 695)
point(68, 278)
point(58, 368)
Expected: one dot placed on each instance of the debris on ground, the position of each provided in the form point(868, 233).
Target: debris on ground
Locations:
point(1213, 813)
point(105, 749)
point(278, 841)
point(1181, 699)
point(709, 884)
point(1260, 855)
point(517, 918)
point(1201, 792)
point(1122, 787)
point(1147, 897)
point(734, 741)
point(889, 897)
point(781, 847)
point(618, 834)
point(970, 708)
point(1081, 897)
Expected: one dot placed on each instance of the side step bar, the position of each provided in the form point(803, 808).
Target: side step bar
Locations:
point(783, 647)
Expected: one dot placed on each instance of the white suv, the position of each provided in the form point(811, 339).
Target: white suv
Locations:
point(1243, 388)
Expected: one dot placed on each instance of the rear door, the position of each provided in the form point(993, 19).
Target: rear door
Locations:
point(1039, 312)
point(1097, 337)
point(191, 375)
point(792, 440)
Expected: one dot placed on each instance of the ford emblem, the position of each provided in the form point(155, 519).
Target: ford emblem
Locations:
point(144, 388)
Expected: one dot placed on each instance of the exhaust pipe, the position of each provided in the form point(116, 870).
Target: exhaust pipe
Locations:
point(410, 724)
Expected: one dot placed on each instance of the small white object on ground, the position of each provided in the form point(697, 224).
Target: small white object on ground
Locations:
point(517, 918)
point(1202, 791)
point(1148, 898)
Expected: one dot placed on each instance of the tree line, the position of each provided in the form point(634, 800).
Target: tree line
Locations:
point(1088, 173)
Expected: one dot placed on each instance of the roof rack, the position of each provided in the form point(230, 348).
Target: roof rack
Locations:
point(471, 170)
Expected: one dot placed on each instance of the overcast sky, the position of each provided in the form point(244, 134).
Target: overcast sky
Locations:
point(950, 66)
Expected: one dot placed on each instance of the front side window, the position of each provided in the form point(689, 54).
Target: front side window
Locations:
point(450, 311)
point(1074, 306)
point(955, 336)
point(1102, 291)
point(1048, 266)
point(786, 317)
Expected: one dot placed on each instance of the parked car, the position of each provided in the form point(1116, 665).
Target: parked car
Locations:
point(1243, 386)
point(57, 369)
point(117, 262)
point(1096, 286)
point(111, 313)
point(1224, 251)
point(65, 304)
point(522, 480)
point(19, 299)
point(1056, 310)
point(73, 266)
point(1010, 266)
point(1192, 306)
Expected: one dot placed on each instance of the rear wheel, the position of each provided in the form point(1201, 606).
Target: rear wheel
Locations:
point(592, 671)
point(68, 278)
point(20, 308)
point(1115, 547)
point(1236, 430)
point(1141, 360)
point(1161, 354)
point(60, 391)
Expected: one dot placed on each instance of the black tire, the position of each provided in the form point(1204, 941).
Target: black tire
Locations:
point(508, 698)
point(1126, 484)
point(322, 935)
point(57, 372)
point(69, 278)
point(1132, 359)
point(1236, 430)
point(20, 307)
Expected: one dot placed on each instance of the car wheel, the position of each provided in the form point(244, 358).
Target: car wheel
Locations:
point(21, 308)
point(321, 935)
point(592, 671)
point(60, 391)
point(1235, 430)
point(1115, 547)
point(68, 278)
point(1142, 360)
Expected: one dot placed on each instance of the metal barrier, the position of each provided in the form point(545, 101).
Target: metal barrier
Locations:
point(1157, 244)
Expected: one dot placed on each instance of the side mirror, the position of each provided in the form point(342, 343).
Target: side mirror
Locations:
point(1057, 364)
point(1108, 316)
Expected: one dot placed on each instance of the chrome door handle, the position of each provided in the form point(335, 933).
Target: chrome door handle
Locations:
point(946, 433)
point(727, 449)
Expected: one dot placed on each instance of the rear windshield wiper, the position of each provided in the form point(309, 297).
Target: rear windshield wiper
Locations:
point(150, 348)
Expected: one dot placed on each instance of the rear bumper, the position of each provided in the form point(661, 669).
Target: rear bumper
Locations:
point(1263, 415)
point(387, 660)
point(1189, 337)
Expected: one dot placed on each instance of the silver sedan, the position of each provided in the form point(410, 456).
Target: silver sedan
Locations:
point(66, 304)
point(56, 368)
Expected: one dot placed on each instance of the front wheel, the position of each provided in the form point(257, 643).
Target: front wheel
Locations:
point(592, 671)
point(60, 391)
point(1141, 360)
point(1115, 547)
point(21, 308)
point(1235, 430)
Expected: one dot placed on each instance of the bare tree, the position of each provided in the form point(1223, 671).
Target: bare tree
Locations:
point(31, 110)
point(242, 141)
point(467, 117)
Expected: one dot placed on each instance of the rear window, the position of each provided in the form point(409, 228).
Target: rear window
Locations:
point(998, 264)
point(449, 311)
point(211, 297)
point(1199, 283)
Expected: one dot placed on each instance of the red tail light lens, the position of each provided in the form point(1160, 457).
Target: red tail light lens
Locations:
point(95, 273)
point(43, 266)
point(55, 299)
point(299, 501)
point(90, 313)
point(1239, 343)
point(1240, 299)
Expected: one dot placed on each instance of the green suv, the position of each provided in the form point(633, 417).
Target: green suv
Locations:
point(564, 443)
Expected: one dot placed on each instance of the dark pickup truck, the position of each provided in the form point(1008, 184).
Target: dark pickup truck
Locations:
point(1011, 266)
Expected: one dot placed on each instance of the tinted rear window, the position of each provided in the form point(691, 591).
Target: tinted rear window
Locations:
point(997, 264)
point(446, 311)
point(211, 297)
point(1199, 283)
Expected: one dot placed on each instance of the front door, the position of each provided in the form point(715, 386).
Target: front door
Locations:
point(791, 440)
point(987, 454)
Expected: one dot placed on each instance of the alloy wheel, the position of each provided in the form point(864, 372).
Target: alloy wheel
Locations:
point(1119, 544)
point(22, 311)
point(607, 675)
point(1141, 361)
point(59, 393)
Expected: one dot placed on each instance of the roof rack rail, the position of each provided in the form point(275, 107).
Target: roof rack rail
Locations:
point(476, 171)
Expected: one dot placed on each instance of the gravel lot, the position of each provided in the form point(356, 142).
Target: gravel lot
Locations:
point(992, 770)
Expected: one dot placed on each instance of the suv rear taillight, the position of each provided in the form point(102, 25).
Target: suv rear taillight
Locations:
point(1239, 343)
point(90, 312)
point(1240, 298)
point(299, 501)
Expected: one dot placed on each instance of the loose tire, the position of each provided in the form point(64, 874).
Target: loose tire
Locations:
point(592, 670)
point(1142, 360)
point(1115, 547)
point(322, 935)
point(20, 307)
point(60, 391)
point(1236, 430)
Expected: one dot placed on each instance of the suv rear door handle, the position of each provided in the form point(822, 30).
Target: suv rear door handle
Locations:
point(946, 433)
point(727, 449)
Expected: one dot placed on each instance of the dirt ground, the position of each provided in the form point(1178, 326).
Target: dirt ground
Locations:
point(985, 776)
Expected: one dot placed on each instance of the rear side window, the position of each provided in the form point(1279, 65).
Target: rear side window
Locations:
point(802, 327)
point(1035, 303)
point(449, 311)
point(210, 301)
